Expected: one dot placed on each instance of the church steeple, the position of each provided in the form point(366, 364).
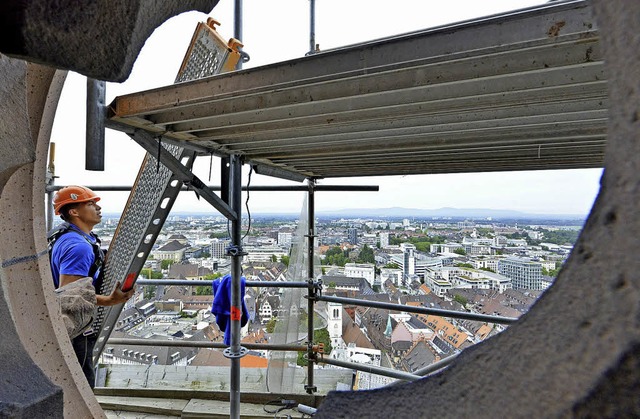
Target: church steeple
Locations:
point(389, 329)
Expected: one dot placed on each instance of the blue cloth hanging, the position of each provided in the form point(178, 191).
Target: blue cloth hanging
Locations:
point(221, 306)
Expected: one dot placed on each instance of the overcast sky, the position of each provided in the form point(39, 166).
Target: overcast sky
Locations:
point(278, 30)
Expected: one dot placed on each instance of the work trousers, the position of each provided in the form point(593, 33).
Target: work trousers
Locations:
point(83, 347)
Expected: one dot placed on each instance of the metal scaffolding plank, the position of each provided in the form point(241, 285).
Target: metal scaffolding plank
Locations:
point(534, 76)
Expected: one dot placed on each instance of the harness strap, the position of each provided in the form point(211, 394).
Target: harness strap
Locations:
point(98, 254)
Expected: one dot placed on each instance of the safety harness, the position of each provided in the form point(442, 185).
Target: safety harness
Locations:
point(98, 253)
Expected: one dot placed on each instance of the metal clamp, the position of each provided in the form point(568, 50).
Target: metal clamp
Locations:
point(235, 251)
point(317, 286)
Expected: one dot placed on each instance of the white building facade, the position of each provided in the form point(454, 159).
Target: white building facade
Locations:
point(524, 273)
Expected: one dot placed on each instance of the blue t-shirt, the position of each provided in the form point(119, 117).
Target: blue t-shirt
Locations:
point(72, 254)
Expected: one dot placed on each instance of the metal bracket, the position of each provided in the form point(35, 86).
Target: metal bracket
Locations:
point(317, 285)
point(147, 141)
point(235, 251)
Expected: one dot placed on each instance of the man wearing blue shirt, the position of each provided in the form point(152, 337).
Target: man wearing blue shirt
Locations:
point(76, 254)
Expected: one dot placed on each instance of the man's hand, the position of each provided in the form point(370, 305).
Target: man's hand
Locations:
point(117, 296)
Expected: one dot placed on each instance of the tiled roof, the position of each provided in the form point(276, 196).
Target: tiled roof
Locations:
point(172, 246)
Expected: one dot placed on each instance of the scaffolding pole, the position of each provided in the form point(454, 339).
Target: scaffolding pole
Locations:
point(310, 387)
point(258, 188)
point(420, 310)
point(387, 372)
point(204, 344)
point(235, 351)
point(206, 282)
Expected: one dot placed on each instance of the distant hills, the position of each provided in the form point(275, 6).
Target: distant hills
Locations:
point(447, 212)
point(400, 213)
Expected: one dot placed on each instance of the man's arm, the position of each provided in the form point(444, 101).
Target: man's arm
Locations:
point(117, 296)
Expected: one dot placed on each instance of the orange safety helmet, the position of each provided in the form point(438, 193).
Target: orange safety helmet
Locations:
point(71, 195)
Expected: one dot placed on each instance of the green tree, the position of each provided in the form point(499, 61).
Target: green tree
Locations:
point(392, 265)
point(204, 290)
point(424, 247)
point(552, 272)
point(271, 325)
point(332, 284)
point(460, 299)
point(460, 251)
point(219, 235)
point(366, 255)
point(336, 256)
point(274, 258)
point(165, 263)
point(464, 265)
point(149, 291)
point(285, 260)
point(207, 289)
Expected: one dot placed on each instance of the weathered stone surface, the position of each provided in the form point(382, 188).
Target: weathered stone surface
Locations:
point(15, 133)
point(100, 39)
point(25, 391)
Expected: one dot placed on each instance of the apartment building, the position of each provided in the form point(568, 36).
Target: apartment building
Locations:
point(524, 273)
point(361, 270)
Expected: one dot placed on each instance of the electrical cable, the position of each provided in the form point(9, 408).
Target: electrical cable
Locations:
point(281, 405)
point(246, 204)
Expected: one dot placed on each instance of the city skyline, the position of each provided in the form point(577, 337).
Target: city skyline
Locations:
point(542, 192)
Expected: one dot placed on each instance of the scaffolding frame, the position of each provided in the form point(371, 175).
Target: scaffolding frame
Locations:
point(236, 350)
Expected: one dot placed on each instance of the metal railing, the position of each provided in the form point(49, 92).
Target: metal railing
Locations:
point(313, 351)
point(316, 349)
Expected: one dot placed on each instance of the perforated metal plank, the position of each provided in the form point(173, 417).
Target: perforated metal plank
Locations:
point(157, 186)
point(150, 201)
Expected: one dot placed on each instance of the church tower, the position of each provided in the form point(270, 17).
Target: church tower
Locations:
point(334, 323)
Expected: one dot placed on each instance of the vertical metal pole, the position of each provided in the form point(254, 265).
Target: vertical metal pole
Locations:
point(312, 27)
point(224, 179)
point(236, 300)
point(50, 212)
point(312, 288)
point(237, 26)
point(51, 177)
point(95, 133)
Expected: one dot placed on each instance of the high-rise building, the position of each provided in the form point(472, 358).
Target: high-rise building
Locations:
point(384, 239)
point(408, 259)
point(352, 235)
point(285, 238)
point(218, 248)
point(524, 273)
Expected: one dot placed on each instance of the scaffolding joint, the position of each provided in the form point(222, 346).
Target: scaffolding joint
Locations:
point(234, 250)
point(231, 354)
point(315, 289)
